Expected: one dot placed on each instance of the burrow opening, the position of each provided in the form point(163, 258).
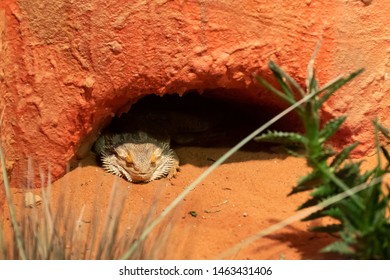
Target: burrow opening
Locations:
point(213, 119)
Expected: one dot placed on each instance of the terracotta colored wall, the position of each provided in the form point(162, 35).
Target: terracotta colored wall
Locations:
point(66, 67)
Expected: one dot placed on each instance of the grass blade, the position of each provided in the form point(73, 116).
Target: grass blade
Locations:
point(11, 207)
point(311, 82)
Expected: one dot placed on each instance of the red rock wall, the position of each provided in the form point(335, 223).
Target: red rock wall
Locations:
point(67, 67)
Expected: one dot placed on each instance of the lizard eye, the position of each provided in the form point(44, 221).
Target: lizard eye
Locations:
point(129, 160)
point(153, 159)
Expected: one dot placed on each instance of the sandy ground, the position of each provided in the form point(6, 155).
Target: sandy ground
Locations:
point(240, 198)
point(245, 195)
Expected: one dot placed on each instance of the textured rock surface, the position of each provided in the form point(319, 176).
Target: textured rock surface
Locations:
point(67, 67)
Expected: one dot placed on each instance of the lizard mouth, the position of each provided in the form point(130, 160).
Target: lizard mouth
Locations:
point(140, 177)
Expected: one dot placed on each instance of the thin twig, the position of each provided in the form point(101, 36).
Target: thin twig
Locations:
point(11, 207)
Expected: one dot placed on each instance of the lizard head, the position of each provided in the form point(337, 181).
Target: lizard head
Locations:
point(142, 161)
point(137, 156)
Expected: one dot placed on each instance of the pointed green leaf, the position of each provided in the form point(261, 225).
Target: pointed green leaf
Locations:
point(337, 181)
point(338, 247)
point(313, 177)
point(350, 174)
point(366, 175)
point(347, 235)
point(308, 182)
point(343, 155)
point(334, 85)
point(384, 130)
point(282, 138)
point(313, 216)
point(294, 153)
point(333, 212)
point(330, 128)
point(309, 203)
point(311, 82)
point(328, 229)
point(272, 89)
point(386, 154)
point(298, 189)
point(352, 213)
point(280, 75)
point(325, 154)
point(323, 191)
point(274, 67)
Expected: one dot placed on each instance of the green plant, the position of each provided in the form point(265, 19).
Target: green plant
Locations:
point(360, 220)
point(317, 154)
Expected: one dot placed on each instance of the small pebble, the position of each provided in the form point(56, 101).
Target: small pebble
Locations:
point(193, 213)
